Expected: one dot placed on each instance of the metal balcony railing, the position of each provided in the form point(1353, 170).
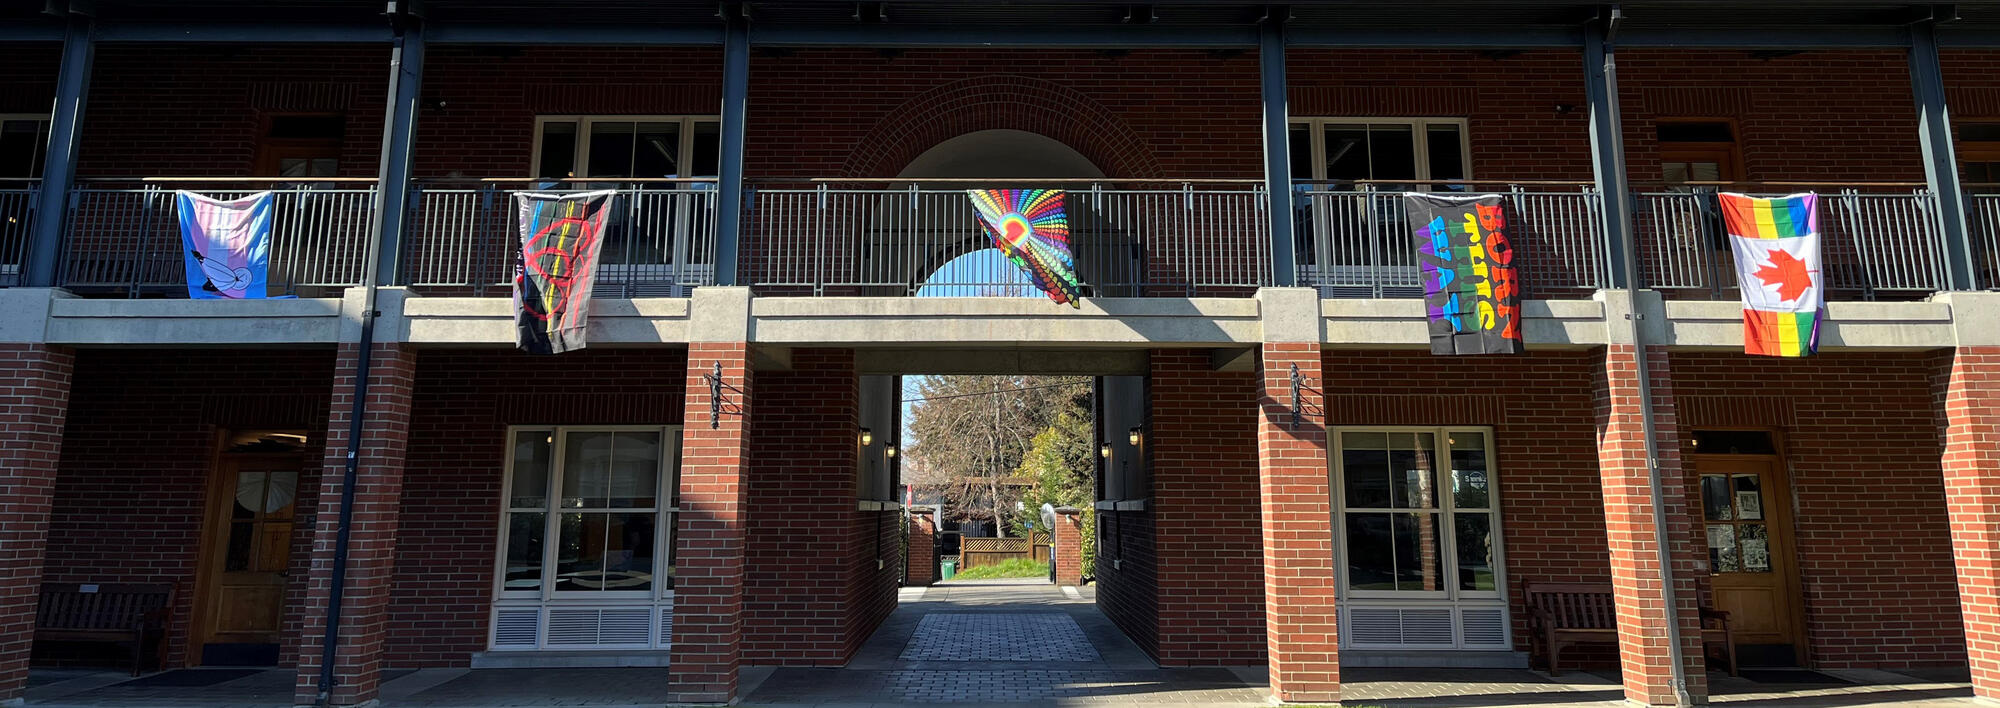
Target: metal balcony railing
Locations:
point(124, 237)
point(1129, 238)
point(1982, 215)
point(17, 226)
point(1875, 241)
point(1355, 242)
point(659, 241)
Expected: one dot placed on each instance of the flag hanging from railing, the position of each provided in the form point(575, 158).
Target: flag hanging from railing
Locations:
point(1471, 295)
point(226, 244)
point(1029, 226)
point(1776, 242)
point(561, 235)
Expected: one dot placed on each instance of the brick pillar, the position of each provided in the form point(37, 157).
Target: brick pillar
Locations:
point(923, 550)
point(708, 583)
point(1069, 547)
point(34, 399)
point(1972, 498)
point(1299, 608)
point(1644, 652)
point(371, 555)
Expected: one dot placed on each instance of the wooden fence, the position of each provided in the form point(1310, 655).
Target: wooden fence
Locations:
point(978, 552)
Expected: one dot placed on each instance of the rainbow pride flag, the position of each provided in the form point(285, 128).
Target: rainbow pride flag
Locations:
point(1776, 244)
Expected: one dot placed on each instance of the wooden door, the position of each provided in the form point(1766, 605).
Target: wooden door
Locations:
point(247, 557)
point(1746, 512)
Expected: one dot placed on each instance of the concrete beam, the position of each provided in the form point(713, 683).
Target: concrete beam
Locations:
point(193, 322)
point(1040, 362)
point(1401, 323)
point(27, 313)
point(444, 321)
point(958, 322)
point(1849, 325)
point(1234, 360)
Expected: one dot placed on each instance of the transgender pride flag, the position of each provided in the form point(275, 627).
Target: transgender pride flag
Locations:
point(227, 245)
point(1776, 242)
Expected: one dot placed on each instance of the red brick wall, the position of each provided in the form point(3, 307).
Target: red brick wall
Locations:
point(1965, 385)
point(714, 485)
point(921, 565)
point(138, 448)
point(1209, 541)
point(871, 591)
point(807, 539)
point(1127, 578)
point(464, 402)
point(1860, 437)
point(36, 381)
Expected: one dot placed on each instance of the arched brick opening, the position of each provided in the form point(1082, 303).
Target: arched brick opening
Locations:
point(997, 102)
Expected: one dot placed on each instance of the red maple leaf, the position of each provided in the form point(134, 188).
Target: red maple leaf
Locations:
point(1786, 272)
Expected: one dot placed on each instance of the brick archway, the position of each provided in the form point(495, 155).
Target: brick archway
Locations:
point(996, 102)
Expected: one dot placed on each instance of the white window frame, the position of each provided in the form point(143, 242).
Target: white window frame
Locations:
point(43, 133)
point(1452, 597)
point(659, 597)
point(1419, 127)
point(581, 166)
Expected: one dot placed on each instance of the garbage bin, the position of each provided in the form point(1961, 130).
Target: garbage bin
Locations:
point(950, 568)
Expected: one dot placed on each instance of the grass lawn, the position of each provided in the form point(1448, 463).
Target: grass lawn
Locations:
point(1010, 568)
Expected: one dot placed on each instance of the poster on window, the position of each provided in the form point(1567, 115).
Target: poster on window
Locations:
point(1471, 296)
point(556, 268)
point(226, 245)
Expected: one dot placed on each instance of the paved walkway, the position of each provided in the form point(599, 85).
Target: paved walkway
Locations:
point(988, 643)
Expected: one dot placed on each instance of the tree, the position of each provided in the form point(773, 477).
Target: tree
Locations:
point(971, 432)
point(1061, 461)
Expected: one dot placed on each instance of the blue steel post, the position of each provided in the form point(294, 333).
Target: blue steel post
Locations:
point(729, 179)
point(1607, 147)
point(59, 166)
point(1277, 147)
point(398, 136)
point(1940, 160)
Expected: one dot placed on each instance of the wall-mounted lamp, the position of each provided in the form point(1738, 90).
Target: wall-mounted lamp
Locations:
point(1104, 451)
point(1132, 437)
point(867, 437)
point(889, 450)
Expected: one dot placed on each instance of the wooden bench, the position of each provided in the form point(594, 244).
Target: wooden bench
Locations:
point(1567, 614)
point(107, 613)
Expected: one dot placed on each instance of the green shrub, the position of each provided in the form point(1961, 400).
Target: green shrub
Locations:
point(1010, 568)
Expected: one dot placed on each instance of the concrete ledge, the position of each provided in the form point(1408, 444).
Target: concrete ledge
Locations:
point(623, 658)
point(1014, 321)
point(487, 320)
point(1400, 323)
point(193, 322)
point(1849, 325)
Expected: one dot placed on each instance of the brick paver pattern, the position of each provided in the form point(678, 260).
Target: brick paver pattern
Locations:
point(999, 636)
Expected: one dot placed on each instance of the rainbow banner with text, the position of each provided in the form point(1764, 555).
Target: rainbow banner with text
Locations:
point(1470, 292)
point(1776, 243)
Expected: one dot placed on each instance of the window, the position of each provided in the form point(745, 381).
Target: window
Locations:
point(586, 538)
point(1350, 149)
point(24, 141)
point(1979, 153)
point(1698, 151)
point(627, 146)
point(1417, 510)
point(303, 145)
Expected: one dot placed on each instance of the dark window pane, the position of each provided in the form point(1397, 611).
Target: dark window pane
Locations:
point(1715, 498)
point(707, 158)
point(657, 150)
point(635, 471)
point(1734, 442)
point(1475, 551)
point(1392, 153)
point(1347, 152)
point(308, 127)
point(628, 552)
point(558, 158)
point(241, 536)
point(1413, 470)
point(1979, 132)
point(1300, 141)
point(530, 485)
point(1469, 487)
point(1756, 542)
point(610, 150)
point(580, 552)
point(1419, 553)
point(1366, 477)
point(1446, 152)
point(20, 149)
point(1371, 554)
point(1749, 497)
point(587, 459)
point(1722, 549)
point(1701, 132)
point(524, 550)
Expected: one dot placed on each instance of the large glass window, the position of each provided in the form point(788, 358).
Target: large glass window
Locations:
point(1417, 512)
point(24, 141)
point(590, 513)
point(630, 147)
point(1399, 151)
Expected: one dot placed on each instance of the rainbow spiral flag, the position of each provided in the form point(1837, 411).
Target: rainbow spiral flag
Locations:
point(1030, 227)
point(1776, 244)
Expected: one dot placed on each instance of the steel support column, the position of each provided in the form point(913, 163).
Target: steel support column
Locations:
point(399, 128)
point(729, 179)
point(59, 165)
point(1940, 160)
point(1277, 148)
point(1607, 146)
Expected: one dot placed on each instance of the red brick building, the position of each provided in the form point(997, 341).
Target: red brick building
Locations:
point(789, 177)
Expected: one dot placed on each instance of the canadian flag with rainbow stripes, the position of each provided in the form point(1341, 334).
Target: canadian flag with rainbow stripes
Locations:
point(1776, 242)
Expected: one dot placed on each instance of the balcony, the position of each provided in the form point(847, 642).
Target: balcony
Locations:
point(886, 238)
